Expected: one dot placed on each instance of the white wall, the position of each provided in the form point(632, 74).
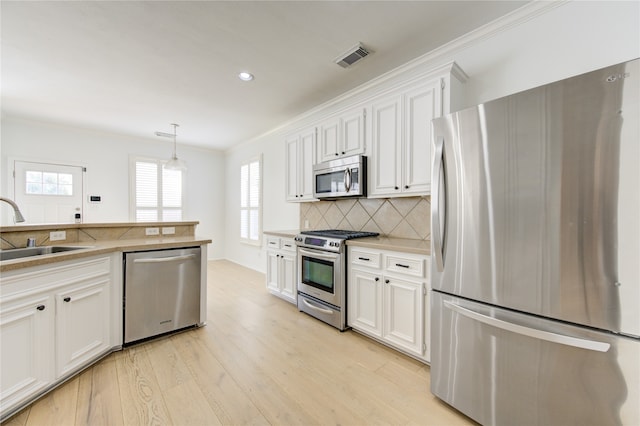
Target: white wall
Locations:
point(277, 214)
point(558, 42)
point(106, 157)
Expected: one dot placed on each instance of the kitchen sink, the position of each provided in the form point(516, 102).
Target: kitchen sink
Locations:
point(36, 251)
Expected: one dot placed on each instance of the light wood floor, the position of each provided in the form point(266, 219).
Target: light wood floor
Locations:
point(258, 361)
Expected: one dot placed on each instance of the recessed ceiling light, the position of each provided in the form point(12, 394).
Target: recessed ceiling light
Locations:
point(245, 76)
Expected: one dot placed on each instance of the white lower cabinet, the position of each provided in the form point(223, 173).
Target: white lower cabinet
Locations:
point(82, 324)
point(26, 346)
point(388, 298)
point(53, 322)
point(281, 268)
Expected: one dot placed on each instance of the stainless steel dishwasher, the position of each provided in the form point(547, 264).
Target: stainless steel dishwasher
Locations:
point(161, 292)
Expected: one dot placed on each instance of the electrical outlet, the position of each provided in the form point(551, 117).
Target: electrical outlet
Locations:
point(152, 231)
point(58, 235)
point(306, 224)
point(168, 230)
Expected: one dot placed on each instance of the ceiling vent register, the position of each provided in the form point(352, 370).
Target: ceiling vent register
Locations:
point(352, 56)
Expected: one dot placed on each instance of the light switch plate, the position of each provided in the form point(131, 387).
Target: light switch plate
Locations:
point(168, 230)
point(57, 235)
point(152, 231)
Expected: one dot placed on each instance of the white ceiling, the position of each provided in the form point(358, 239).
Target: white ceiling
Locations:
point(133, 67)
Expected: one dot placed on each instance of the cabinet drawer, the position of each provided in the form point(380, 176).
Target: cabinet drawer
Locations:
point(365, 258)
point(288, 244)
point(273, 242)
point(404, 265)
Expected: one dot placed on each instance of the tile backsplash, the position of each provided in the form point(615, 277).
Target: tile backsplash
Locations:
point(407, 217)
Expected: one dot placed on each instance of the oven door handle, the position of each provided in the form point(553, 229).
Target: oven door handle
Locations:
point(318, 254)
point(317, 308)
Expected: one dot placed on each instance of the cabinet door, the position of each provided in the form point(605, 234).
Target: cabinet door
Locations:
point(273, 260)
point(365, 302)
point(26, 348)
point(288, 276)
point(421, 105)
point(306, 160)
point(386, 141)
point(328, 140)
point(353, 132)
point(403, 314)
point(82, 324)
point(292, 168)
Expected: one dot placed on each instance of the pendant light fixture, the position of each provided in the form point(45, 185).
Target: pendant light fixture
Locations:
point(174, 163)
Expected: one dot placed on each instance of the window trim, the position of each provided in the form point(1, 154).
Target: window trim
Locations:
point(247, 162)
point(132, 187)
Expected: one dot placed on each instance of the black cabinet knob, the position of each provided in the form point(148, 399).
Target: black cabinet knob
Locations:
point(377, 279)
point(406, 187)
point(40, 307)
point(342, 152)
point(386, 281)
point(337, 154)
point(67, 299)
point(397, 188)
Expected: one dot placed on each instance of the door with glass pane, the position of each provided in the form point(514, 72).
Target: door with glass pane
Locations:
point(48, 193)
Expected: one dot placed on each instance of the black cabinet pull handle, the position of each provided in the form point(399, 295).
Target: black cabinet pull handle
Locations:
point(40, 307)
point(364, 258)
point(402, 266)
point(67, 299)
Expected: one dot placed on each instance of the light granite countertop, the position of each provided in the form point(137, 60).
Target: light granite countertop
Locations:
point(102, 247)
point(380, 243)
point(394, 244)
point(285, 234)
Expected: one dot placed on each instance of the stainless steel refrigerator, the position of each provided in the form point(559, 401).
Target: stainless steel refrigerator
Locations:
point(535, 254)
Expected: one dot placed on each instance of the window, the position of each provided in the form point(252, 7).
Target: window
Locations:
point(250, 201)
point(157, 194)
point(48, 183)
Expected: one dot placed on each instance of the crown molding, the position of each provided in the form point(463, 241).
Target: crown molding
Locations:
point(429, 63)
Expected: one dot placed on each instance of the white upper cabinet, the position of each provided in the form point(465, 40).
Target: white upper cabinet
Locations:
point(300, 160)
point(386, 139)
point(390, 122)
point(342, 135)
point(400, 163)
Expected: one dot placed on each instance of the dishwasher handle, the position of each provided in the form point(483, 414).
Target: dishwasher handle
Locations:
point(164, 259)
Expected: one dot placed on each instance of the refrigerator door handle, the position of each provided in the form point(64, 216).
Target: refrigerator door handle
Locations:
point(435, 203)
point(591, 345)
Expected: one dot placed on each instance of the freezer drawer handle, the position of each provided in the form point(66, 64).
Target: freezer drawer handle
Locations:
point(531, 332)
point(164, 259)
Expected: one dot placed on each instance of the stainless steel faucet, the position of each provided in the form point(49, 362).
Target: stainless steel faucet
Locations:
point(16, 210)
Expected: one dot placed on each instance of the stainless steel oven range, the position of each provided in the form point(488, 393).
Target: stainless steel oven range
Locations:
point(322, 274)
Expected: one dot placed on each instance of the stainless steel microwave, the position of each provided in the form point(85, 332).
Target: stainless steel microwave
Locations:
point(343, 177)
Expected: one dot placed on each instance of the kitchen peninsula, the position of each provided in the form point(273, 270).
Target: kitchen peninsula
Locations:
point(62, 312)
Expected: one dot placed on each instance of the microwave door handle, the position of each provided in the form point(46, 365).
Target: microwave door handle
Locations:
point(347, 179)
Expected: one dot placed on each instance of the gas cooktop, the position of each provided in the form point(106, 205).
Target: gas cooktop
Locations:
point(340, 234)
